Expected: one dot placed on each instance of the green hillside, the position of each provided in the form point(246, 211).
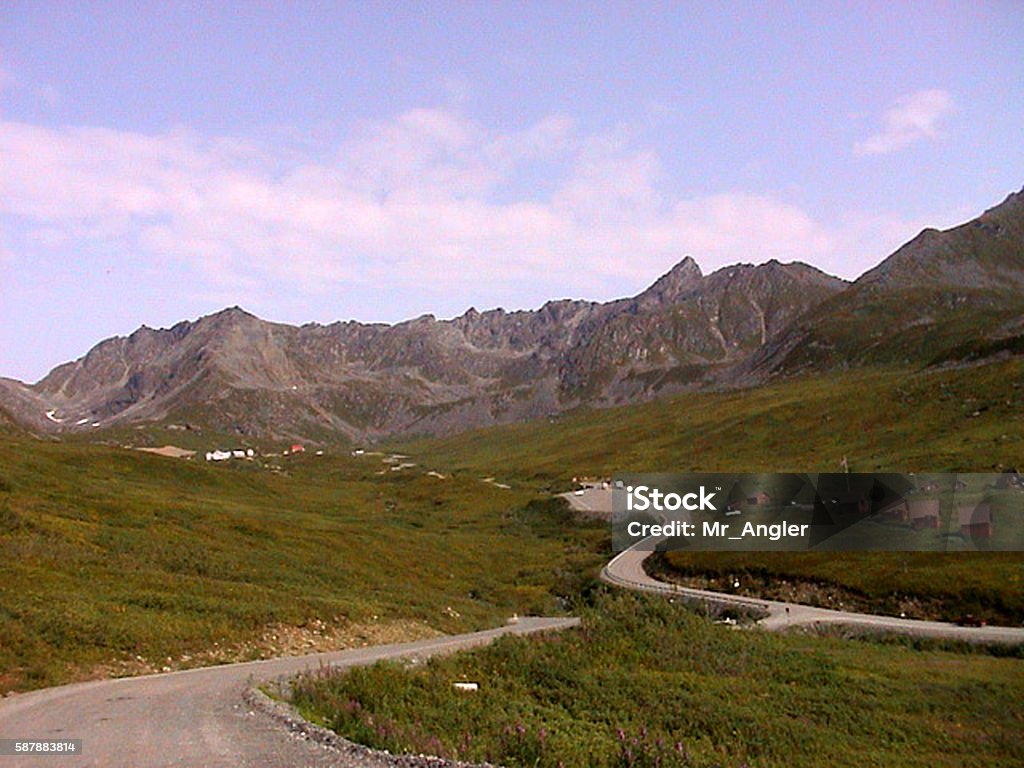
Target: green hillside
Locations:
point(956, 419)
point(648, 683)
point(114, 562)
point(117, 562)
point(898, 326)
point(962, 419)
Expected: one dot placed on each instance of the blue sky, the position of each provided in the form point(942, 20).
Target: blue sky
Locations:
point(377, 161)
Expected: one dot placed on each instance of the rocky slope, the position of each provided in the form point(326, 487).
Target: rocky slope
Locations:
point(943, 297)
point(236, 372)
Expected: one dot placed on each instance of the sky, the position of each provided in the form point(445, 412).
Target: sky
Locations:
point(314, 162)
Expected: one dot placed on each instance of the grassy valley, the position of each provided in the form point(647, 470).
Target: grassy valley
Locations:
point(117, 562)
point(647, 683)
point(956, 419)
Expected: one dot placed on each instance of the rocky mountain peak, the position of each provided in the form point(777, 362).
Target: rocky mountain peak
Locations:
point(1012, 205)
point(740, 324)
point(684, 277)
point(229, 316)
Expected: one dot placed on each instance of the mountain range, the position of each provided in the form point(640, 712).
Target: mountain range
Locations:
point(944, 298)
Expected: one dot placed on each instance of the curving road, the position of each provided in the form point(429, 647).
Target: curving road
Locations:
point(626, 570)
point(199, 717)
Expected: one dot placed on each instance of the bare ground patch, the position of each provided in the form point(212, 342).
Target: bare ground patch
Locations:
point(274, 641)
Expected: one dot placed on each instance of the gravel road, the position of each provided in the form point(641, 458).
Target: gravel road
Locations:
point(208, 718)
point(626, 570)
point(200, 717)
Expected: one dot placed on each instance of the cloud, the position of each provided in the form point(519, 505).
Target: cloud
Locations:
point(426, 201)
point(911, 119)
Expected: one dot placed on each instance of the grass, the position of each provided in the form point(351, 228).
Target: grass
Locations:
point(945, 586)
point(647, 683)
point(109, 556)
point(963, 419)
point(959, 419)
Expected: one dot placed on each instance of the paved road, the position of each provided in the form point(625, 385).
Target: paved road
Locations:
point(626, 570)
point(199, 717)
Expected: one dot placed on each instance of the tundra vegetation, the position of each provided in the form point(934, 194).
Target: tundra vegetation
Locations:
point(118, 562)
point(967, 419)
point(648, 683)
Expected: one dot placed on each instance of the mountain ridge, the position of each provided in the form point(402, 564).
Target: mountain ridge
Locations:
point(960, 289)
point(943, 297)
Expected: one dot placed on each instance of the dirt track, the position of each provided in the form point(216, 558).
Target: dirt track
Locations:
point(200, 717)
point(626, 570)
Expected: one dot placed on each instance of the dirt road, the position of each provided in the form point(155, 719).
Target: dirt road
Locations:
point(199, 717)
point(626, 570)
